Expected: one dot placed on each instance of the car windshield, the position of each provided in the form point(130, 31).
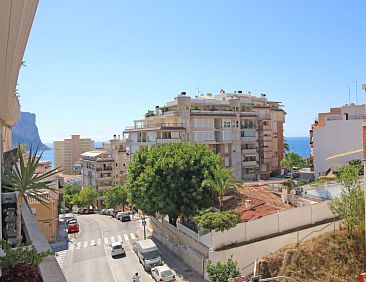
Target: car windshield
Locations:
point(117, 247)
point(166, 273)
point(151, 255)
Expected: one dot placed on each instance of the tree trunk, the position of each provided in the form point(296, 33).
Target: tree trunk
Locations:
point(221, 200)
point(123, 208)
point(19, 220)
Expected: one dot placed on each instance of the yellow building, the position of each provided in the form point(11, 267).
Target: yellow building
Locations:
point(47, 215)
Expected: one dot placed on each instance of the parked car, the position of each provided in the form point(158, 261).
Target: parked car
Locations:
point(88, 211)
point(125, 217)
point(80, 210)
point(162, 273)
point(119, 214)
point(72, 221)
point(102, 211)
point(109, 212)
point(117, 249)
point(72, 228)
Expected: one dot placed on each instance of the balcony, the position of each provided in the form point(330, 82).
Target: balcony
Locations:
point(101, 169)
point(249, 163)
point(249, 139)
point(264, 117)
point(49, 269)
point(155, 126)
point(249, 151)
point(171, 140)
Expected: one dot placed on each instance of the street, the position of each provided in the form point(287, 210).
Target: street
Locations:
point(87, 257)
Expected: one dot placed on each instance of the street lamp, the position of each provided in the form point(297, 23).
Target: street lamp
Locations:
point(364, 159)
point(144, 225)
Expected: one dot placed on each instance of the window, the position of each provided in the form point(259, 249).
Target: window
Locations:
point(227, 124)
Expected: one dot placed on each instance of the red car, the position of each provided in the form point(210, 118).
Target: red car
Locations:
point(73, 228)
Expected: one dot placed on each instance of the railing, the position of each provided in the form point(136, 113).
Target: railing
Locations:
point(249, 151)
point(145, 126)
point(104, 169)
point(249, 163)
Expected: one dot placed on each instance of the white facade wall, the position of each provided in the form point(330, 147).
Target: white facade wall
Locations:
point(336, 137)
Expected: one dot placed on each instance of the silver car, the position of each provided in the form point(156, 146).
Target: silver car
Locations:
point(162, 273)
point(117, 249)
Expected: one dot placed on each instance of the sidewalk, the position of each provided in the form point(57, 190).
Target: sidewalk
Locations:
point(183, 271)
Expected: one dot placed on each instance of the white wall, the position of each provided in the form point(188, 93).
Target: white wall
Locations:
point(245, 255)
point(272, 225)
point(337, 137)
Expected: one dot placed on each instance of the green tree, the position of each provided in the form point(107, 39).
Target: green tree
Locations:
point(217, 221)
point(71, 193)
point(223, 182)
point(173, 179)
point(221, 271)
point(290, 161)
point(350, 205)
point(88, 196)
point(286, 147)
point(21, 177)
point(116, 196)
point(357, 163)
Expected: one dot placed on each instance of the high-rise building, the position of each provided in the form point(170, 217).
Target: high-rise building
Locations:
point(336, 138)
point(247, 131)
point(68, 152)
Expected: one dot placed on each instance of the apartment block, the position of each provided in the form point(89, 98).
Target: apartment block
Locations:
point(105, 168)
point(247, 131)
point(336, 138)
point(68, 152)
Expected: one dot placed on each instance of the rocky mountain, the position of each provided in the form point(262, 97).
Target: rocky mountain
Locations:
point(25, 131)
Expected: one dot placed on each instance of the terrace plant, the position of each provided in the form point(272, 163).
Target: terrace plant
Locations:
point(217, 221)
point(21, 177)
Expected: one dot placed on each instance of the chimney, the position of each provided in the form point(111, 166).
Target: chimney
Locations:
point(119, 137)
point(183, 93)
point(114, 136)
point(157, 110)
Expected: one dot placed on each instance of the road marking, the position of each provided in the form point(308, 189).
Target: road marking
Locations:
point(105, 240)
point(119, 238)
point(85, 244)
point(112, 239)
point(108, 256)
point(132, 236)
point(92, 243)
point(78, 245)
point(71, 246)
point(99, 242)
point(126, 237)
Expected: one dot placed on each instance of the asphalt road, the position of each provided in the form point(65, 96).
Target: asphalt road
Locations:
point(88, 256)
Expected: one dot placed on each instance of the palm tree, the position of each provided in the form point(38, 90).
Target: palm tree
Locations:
point(223, 182)
point(22, 178)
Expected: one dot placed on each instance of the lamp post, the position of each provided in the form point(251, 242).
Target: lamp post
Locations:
point(144, 225)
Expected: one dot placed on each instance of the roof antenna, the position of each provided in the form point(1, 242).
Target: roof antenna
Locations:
point(198, 89)
point(356, 92)
point(349, 95)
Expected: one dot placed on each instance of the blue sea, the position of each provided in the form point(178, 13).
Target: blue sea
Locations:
point(299, 145)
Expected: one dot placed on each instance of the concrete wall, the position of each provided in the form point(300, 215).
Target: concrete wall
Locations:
point(336, 137)
point(246, 254)
point(188, 249)
point(271, 225)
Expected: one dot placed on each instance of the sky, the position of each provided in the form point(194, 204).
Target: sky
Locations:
point(92, 67)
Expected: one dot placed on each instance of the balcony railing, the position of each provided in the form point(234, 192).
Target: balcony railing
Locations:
point(249, 163)
point(168, 140)
point(249, 151)
point(156, 125)
point(104, 169)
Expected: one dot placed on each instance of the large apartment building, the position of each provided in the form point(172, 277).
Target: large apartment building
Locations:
point(246, 130)
point(68, 152)
point(336, 138)
point(105, 168)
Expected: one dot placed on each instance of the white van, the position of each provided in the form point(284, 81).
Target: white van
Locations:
point(117, 249)
point(148, 254)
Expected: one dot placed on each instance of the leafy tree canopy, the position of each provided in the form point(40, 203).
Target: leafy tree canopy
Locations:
point(173, 179)
point(292, 159)
point(217, 221)
point(71, 193)
point(88, 196)
point(116, 196)
point(222, 271)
